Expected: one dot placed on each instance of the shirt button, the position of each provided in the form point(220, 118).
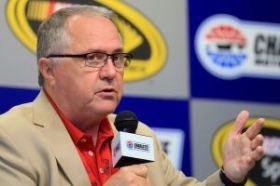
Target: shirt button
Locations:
point(83, 140)
point(101, 170)
point(90, 153)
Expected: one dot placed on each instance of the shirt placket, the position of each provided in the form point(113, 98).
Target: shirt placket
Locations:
point(103, 159)
point(89, 153)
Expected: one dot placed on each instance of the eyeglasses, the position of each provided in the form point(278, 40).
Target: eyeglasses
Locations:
point(99, 59)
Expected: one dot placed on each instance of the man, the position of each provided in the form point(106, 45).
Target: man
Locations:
point(63, 137)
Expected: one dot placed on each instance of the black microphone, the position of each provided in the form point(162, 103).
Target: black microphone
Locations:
point(129, 148)
point(126, 121)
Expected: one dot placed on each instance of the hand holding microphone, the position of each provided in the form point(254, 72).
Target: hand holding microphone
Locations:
point(127, 147)
point(130, 176)
point(130, 151)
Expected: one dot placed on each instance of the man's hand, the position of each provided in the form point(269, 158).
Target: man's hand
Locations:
point(242, 150)
point(134, 175)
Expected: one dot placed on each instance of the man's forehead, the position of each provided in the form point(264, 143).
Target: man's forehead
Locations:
point(90, 33)
point(90, 22)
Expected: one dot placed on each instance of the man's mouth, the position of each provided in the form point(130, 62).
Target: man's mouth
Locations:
point(107, 92)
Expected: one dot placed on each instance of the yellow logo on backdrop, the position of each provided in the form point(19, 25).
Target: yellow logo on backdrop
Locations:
point(265, 171)
point(141, 37)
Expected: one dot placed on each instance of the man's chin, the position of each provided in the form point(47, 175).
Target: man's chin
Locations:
point(107, 108)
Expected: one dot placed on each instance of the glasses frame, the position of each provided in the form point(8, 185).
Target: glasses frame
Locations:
point(127, 56)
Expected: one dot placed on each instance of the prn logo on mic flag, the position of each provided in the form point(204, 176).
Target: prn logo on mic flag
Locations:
point(141, 37)
point(266, 170)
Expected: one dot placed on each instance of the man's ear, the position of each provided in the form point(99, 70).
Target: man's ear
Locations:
point(46, 68)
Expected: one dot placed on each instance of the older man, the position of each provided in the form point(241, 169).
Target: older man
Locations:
point(63, 137)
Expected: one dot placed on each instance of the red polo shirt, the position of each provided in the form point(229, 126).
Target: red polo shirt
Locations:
point(96, 159)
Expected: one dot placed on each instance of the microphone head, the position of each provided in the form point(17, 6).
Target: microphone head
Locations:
point(126, 121)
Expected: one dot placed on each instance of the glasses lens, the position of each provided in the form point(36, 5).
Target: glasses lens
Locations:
point(121, 60)
point(96, 59)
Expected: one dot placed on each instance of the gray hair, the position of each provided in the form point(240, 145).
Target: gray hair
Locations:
point(52, 35)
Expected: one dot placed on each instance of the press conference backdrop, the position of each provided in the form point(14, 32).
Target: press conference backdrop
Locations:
point(197, 64)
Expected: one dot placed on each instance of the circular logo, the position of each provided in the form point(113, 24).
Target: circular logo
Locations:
point(141, 37)
point(221, 45)
point(129, 144)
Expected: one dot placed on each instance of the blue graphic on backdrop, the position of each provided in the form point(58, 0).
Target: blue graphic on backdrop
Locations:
point(226, 59)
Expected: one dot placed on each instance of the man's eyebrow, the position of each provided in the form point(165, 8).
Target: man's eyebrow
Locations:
point(103, 51)
point(118, 50)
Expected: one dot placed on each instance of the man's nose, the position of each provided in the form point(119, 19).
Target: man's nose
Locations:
point(108, 71)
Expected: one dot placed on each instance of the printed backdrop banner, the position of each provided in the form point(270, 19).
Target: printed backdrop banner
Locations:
point(189, 96)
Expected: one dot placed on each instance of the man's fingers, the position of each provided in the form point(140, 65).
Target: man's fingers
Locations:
point(240, 121)
point(130, 175)
point(258, 153)
point(140, 170)
point(255, 129)
point(257, 141)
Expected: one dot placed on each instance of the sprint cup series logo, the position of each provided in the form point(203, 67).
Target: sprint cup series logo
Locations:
point(141, 38)
point(267, 170)
point(230, 48)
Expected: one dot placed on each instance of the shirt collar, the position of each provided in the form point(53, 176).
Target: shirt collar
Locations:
point(105, 129)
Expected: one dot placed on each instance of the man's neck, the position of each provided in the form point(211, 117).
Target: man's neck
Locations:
point(86, 124)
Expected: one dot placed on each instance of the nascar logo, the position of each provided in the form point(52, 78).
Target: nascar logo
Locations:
point(141, 37)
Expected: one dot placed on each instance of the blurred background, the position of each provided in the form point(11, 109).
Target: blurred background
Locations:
point(196, 65)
